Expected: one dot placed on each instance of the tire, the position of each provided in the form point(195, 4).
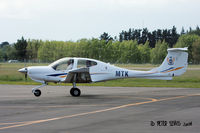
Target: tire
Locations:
point(75, 92)
point(37, 93)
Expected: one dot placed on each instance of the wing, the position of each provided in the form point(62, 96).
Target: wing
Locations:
point(82, 76)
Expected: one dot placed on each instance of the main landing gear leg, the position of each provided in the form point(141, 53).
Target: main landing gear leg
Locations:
point(36, 90)
point(75, 91)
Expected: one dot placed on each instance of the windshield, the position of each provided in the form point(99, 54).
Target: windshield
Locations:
point(63, 64)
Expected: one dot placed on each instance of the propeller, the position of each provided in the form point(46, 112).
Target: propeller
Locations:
point(26, 70)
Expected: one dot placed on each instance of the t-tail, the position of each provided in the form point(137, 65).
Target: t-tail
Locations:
point(174, 64)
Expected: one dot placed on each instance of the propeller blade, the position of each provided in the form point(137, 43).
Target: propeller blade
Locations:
point(25, 76)
point(26, 73)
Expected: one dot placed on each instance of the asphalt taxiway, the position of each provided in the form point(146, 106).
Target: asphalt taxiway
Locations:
point(99, 110)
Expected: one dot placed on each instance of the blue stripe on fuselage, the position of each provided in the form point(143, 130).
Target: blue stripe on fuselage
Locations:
point(58, 74)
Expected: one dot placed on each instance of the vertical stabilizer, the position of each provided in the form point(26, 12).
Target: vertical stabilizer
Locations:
point(175, 63)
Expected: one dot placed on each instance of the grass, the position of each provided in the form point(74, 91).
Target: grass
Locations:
point(191, 79)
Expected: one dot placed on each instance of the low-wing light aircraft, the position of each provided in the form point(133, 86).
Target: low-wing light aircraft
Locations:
point(84, 70)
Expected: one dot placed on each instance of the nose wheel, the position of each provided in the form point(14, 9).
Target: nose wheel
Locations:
point(37, 93)
point(75, 92)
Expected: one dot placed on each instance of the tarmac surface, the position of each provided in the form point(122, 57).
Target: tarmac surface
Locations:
point(99, 110)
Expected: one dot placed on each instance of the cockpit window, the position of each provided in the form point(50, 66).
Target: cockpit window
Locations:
point(85, 63)
point(63, 64)
point(90, 63)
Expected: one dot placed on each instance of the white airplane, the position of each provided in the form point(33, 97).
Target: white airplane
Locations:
point(84, 70)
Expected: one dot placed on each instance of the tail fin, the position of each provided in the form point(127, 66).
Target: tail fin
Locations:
point(175, 63)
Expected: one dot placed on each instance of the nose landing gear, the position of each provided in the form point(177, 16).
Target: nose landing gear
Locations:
point(36, 90)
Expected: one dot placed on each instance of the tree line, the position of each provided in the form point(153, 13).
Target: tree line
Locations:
point(133, 46)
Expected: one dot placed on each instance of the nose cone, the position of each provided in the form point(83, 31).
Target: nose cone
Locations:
point(23, 70)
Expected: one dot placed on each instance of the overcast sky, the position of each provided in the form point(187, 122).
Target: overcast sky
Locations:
point(75, 19)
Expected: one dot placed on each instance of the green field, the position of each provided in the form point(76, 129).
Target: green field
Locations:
point(10, 75)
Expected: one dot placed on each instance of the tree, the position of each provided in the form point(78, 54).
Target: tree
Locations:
point(45, 52)
point(174, 37)
point(107, 52)
point(129, 52)
point(196, 51)
point(83, 48)
point(152, 41)
point(20, 47)
point(106, 37)
point(144, 52)
point(159, 35)
point(182, 31)
point(121, 36)
point(144, 36)
point(186, 41)
point(195, 32)
point(137, 35)
point(116, 52)
point(3, 44)
point(8, 52)
point(159, 52)
point(95, 49)
point(32, 49)
point(1, 55)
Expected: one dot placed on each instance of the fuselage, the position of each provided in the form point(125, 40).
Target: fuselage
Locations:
point(97, 71)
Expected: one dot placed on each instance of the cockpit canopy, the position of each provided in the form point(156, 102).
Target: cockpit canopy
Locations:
point(63, 64)
point(69, 63)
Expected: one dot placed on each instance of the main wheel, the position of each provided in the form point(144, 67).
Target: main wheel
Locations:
point(37, 93)
point(75, 92)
